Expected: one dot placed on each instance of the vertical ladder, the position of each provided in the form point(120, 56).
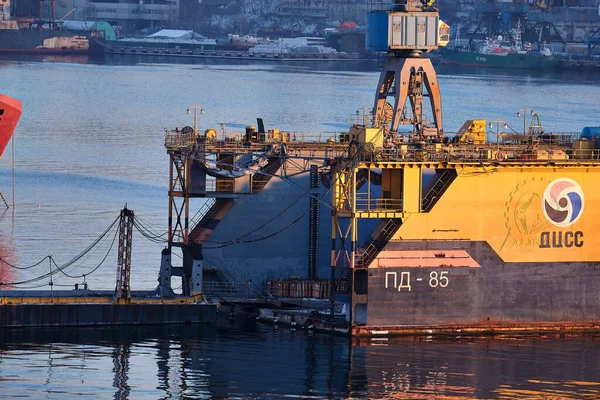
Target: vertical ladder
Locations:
point(123, 288)
point(313, 225)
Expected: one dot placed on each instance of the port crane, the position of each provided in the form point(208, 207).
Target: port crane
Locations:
point(500, 17)
point(405, 31)
point(415, 29)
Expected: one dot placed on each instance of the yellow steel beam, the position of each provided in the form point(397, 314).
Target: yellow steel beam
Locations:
point(411, 190)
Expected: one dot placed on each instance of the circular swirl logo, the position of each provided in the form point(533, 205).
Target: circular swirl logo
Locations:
point(562, 202)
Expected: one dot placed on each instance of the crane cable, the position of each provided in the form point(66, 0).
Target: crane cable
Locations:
point(91, 246)
point(147, 233)
point(279, 214)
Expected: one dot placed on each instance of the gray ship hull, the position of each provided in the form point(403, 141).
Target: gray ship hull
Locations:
point(466, 287)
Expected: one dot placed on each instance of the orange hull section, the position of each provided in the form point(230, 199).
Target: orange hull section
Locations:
point(10, 112)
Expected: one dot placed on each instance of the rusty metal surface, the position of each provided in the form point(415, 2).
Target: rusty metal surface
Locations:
point(123, 289)
point(521, 329)
point(555, 148)
point(82, 296)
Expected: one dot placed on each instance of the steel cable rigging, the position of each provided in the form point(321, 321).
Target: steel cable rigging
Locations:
point(67, 264)
point(149, 226)
point(238, 241)
point(279, 214)
point(147, 233)
point(61, 268)
point(91, 246)
point(22, 268)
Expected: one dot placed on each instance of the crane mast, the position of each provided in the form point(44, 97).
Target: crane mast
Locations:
point(406, 29)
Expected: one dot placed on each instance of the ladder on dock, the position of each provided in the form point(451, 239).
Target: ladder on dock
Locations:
point(380, 239)
point(437, 189)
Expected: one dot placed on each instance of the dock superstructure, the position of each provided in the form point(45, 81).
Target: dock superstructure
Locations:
point(418, 230)
point(400, 218)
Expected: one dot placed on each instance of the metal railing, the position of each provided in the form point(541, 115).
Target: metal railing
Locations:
point(231, 290)
point(220, 185)
point(236, 139)
point(542, 153)
point(178, 141)
point(437, 188)
point(364, 118)
point(201, 213)
point(546, 148)
point(365, 203)
point(381, 237)
point(221, 283)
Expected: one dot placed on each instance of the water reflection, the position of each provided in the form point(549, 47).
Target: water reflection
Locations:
point(121, 354)
point(362, 65)
point(542, 76)
point(482, 367)
point(243, 360)
point(71, 59)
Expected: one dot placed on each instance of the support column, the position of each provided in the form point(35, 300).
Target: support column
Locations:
point(407, 76)
point(411, 190)
point(196, 277)
point(165, 275)
point(179, 188)
point(123, 288)
point(313, 224)
point(334, 223)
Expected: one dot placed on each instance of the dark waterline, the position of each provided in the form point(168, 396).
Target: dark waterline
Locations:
point(366, 65)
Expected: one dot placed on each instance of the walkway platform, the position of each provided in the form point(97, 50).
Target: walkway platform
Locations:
point(46, 308)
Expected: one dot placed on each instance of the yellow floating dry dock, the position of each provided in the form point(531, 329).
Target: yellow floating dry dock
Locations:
point(422, 231)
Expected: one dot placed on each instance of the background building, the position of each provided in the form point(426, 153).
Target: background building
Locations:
point(575, 19)
point(129, 14)
point(309, 9)
point(132, 14)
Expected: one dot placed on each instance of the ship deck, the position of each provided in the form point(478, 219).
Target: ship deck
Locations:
point(557, 150)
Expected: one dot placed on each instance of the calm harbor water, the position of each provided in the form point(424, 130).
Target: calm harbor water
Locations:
point(237, 360)
point(91, 140)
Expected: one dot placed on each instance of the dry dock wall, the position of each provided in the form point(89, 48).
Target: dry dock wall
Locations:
point(281, 256)
point(84, 314)
point(282, 207)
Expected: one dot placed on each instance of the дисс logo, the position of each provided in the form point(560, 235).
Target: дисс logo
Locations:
point(562, 202)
